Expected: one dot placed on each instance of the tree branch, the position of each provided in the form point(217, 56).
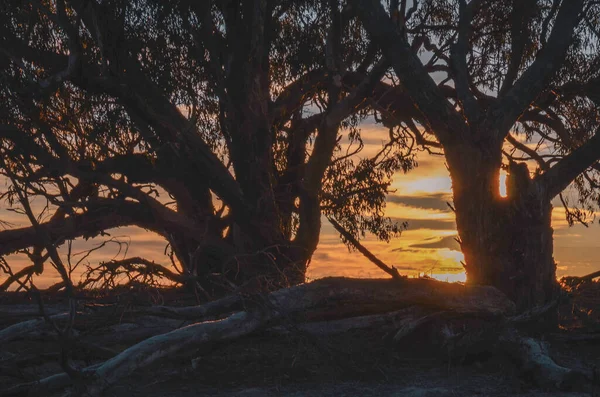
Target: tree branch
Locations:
point(503, 114)
point(439, 115)
point(521, 10)
point(525, 149)
point(106, 215)
point(458, 56)
point(392, 271)
point(566, 170)
point(131, 266)
point(295, 95)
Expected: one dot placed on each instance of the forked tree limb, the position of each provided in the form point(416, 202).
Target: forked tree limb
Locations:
point(531, 83)
point(439, 115)
point(13, 278)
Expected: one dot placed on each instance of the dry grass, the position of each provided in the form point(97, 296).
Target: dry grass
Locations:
point(582, 310)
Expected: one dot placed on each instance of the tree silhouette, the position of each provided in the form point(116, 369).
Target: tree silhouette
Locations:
point(511, 74)
point(217, 125)
point(243, 113)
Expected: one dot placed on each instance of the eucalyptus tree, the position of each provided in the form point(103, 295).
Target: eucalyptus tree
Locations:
point(227, 127)
point(493, 85)
point(247, 115)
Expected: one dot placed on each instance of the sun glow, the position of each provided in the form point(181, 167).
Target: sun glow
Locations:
point(503, 176)
point(450, 277)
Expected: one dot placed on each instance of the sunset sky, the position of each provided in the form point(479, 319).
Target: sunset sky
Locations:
point(428, 246)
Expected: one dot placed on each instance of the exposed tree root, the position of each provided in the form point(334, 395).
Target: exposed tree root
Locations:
point(537, 365)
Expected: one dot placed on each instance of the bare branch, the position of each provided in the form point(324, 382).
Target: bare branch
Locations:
point(392, 271)
point(531, 152)
point(566, 170)
point(131, 266)
point(105, 215)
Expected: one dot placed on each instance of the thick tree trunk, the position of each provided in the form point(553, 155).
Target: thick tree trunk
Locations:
point(507, 241)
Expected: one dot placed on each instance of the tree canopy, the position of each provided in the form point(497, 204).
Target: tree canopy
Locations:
point(231, 127)
point(226, 127)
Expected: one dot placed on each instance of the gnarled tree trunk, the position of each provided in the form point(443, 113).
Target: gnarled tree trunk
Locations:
point(507, 241)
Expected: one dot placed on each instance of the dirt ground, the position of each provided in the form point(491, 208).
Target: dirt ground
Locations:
point(357, 363)
point(361, 364)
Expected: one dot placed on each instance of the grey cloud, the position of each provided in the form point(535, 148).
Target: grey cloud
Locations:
point(433, 224)
point(414, 251)
point(445, 242)
point(433, 201)
point(449, 268)
point(404, 267)
point(321, 256)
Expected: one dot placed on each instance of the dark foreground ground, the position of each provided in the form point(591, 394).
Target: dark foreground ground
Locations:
point(352, 365)
point(358, 363)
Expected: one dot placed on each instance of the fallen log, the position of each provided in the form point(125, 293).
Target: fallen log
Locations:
point(589, 337)
point(362, 295)
point(219, 307)
point(325, 300)
point(45, 386)
point(382, 322)
point(23, 328)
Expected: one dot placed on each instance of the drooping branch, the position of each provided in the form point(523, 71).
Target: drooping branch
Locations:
point(392, 271)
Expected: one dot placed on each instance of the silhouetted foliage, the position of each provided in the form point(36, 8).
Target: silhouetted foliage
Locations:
point(502, 85)
point(248, 115)
point(226, 127)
